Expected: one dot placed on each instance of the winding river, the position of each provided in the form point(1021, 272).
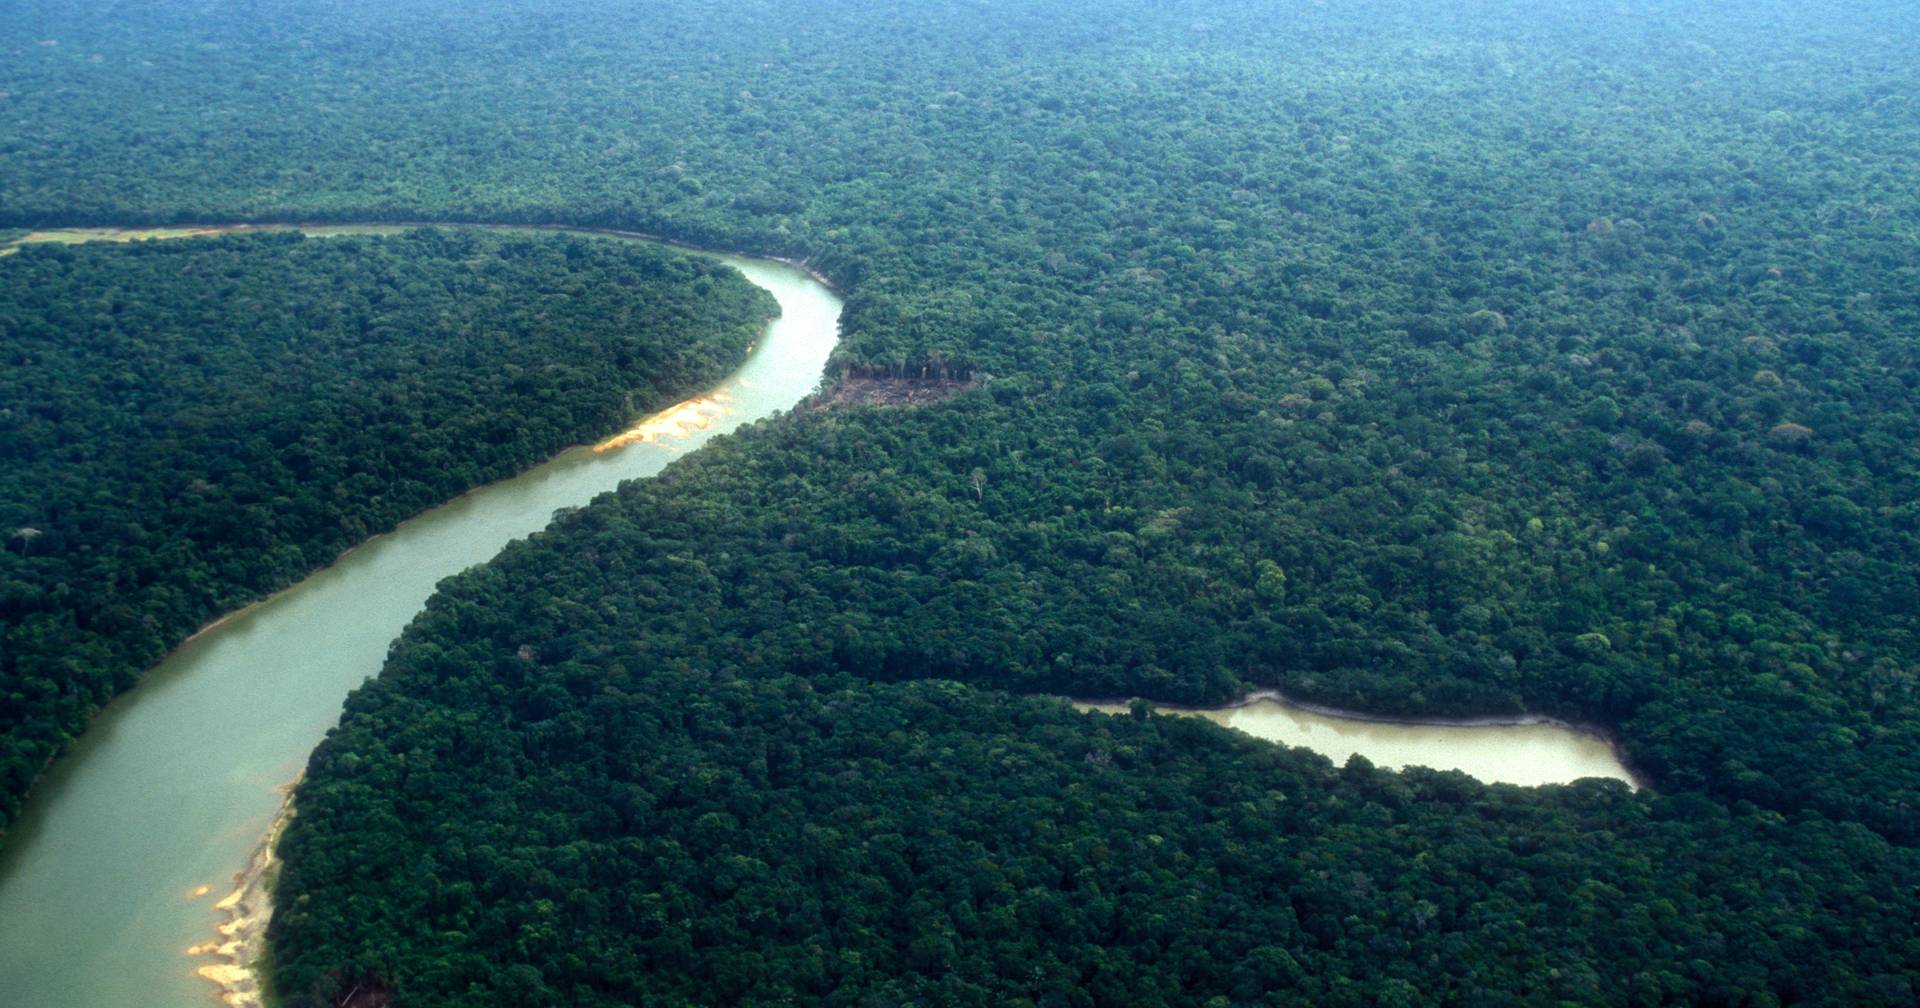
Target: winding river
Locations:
point(110, 875)
point(111, 872)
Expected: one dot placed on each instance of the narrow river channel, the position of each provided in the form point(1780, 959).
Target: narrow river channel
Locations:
point(111, 872)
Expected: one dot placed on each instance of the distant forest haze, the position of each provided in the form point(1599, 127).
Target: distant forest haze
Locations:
point(1423, 358)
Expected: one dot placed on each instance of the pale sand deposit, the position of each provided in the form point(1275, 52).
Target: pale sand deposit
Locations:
point(243, 936)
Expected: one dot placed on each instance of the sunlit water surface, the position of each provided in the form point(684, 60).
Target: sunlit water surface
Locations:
point(1535, 753)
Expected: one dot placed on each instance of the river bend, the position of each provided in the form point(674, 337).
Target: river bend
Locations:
point(112, 870)
point(110, 874)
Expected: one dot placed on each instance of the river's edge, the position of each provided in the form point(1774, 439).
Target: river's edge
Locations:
point(122, 234)
point(1638, 779)
point(238, 951)
point(216, 230)
point(242, 943)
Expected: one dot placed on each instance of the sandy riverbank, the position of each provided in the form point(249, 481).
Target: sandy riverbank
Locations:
point(243, 935)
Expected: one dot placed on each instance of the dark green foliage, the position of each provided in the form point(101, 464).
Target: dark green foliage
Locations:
point(757, 845)
point(1560, 358)
point(186, 425)
point(665, 776)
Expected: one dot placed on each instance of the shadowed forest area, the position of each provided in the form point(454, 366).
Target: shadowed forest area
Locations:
point(1424, 358)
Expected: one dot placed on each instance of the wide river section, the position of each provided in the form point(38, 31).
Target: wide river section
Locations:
point(111, 872)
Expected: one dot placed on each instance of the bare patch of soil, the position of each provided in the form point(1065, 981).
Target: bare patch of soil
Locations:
point(851, 391)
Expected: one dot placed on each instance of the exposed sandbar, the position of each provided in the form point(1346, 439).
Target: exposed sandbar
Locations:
point(243, 935)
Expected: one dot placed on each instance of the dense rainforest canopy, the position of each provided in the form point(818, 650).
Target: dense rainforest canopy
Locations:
point(186, 425)
point(1430, 356)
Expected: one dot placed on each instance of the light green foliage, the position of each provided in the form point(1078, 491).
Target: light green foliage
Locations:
point(1272, 582)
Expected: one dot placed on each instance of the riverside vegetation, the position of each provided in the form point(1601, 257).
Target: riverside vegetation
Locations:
point(1425, 358)
point(190, 424)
